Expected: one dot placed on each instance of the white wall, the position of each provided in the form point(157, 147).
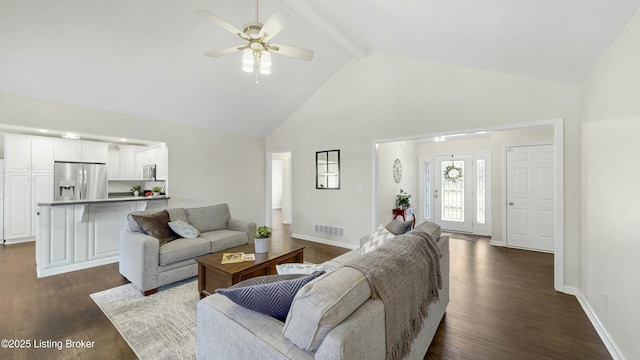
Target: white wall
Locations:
point(387, 153)
point(200, 168)
point(385, 96)
point(611, 174)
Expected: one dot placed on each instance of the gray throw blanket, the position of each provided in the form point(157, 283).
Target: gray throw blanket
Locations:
point(404, 274)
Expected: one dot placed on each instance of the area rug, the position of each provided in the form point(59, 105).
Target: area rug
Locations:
point(460, 236)
point(159, 326)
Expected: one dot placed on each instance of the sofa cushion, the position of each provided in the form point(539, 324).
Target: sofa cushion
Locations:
point(209, 218)
point(184, 229)
point(156, 225)
point(399, 227)
point(183, 249)
point(273, 299)
point(379, 237)
point(224, 239)
point(174, 214)
point(322, 305)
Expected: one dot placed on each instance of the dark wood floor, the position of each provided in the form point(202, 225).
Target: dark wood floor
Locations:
point(502, 307)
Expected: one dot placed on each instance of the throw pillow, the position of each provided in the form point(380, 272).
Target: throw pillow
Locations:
point(273, 299)
point(379, 237)
point(184, 229)
point(156, 225)
point(399, 227)
point(266, 279)
point(298, 268)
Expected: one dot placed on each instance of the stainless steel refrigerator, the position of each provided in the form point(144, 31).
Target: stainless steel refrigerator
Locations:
point(80, 181)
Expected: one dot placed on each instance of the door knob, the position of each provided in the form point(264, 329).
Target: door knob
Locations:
point(510, 203)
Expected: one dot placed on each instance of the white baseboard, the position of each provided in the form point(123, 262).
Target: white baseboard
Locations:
point(73, 267)
point(611, 345)
point(325, 241)
point(496, 243)
point(18, 241)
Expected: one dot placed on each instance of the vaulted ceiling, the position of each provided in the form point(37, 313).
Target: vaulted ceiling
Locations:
point(145, 57)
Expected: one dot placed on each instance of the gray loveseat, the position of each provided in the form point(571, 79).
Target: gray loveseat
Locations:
point(148, 265)
point(332, 317)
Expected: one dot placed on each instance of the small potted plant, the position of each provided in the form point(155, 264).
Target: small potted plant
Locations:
point(263, 234)
point(156, 190)
point(403, 200)
point(135, 189)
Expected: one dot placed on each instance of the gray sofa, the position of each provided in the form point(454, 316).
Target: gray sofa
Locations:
point(148, 265)
point(332, 317)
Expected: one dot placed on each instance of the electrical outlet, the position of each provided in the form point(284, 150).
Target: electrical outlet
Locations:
point(605, 300)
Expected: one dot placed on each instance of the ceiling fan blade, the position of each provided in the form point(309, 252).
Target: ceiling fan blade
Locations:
point(292, 51)
point(222, 23)
point(275, 24)
point(226, 51)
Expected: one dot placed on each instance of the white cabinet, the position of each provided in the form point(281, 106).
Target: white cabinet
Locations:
point(113, 165)
point(24, 192)
point(42, 155)
point(81, 151)
point(127, 162)
point(157, 155)
point(28, 181)
point(68, 150)
point(17, 205)
point(121, 163)
point(17, 152)
point(95, 152)
point(26, 153)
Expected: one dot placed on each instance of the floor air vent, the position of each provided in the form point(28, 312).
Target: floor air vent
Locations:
point(330, 231)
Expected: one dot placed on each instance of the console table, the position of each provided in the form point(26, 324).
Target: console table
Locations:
point(404, 213)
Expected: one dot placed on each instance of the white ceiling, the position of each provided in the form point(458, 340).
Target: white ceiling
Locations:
point(145, 57)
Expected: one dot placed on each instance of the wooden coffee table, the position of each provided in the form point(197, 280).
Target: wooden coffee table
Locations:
point(212, 274)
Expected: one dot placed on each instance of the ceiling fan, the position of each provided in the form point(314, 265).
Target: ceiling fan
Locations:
point(257, 49)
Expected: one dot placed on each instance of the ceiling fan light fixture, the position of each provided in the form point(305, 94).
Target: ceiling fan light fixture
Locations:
point(247, 57)
point(265, 59)
point(265, 70)
point(256, 52)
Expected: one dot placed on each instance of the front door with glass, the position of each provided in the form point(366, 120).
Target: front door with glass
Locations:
point(455, 191)
point(452, 192)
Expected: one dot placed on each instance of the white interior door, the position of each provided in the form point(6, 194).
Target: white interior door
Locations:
point(530, 197)
point(453, 192)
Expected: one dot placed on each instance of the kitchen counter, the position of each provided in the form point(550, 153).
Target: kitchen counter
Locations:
point(79, 234)
point(109, 200)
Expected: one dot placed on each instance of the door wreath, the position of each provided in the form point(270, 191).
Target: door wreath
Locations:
point(452, 173)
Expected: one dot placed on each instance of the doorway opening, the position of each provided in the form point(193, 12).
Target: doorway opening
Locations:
point(279, 191)
point(502, 135)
